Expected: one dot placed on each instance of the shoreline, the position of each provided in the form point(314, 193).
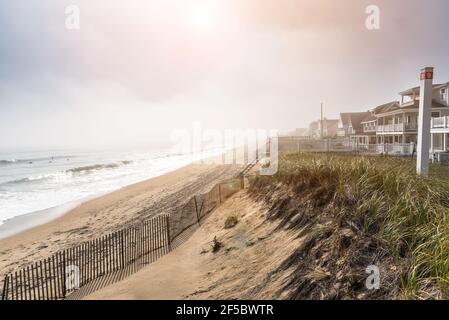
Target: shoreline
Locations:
point(21, 223)
point(109, 212)
point(24, 222)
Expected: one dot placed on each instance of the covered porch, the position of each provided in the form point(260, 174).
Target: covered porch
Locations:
point(396, 138)
point(398, 123)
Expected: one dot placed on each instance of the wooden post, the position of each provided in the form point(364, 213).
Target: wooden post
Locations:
point(46, 279)
point(151, 234)
point(5, 288)
point(159, 236)
point(29, 283)
point(21, 285)
point(122, 249)
point(42, 280)
point(55, 277)
point(64, 287)
point(167, 221)
point(110, 253)
point(156, 239)
point(84, 266)
point(134, 229)
point(257, 148)
point(12, 287)
point(35, 297)
point(200, 211)
point(196, 210)
point(424, 118)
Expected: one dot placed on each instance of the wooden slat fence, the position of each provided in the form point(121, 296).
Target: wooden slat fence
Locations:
point(68, 270)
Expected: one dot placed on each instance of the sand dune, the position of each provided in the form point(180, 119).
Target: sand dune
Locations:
point(241, 269)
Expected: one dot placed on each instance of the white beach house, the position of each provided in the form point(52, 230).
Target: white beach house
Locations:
point(396, 122)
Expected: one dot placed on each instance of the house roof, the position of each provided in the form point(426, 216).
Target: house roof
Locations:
point(347, 117)
point(369, 118)
point(354, 119)
point(418, 89)
point(387, 107)
point(395, 106)
point(415, 105)
point(344, 118)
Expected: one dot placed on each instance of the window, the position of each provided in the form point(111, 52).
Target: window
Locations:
point(436, 114)
point(443, 94)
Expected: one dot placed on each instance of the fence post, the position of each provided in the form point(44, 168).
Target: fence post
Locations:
point(167, 221)
point(196, 210)
point(219, 193)
point(5, 288)
point(122, 245)
point(64, 275)
point(257, 148)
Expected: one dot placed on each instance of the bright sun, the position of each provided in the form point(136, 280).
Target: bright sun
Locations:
point(203, 16)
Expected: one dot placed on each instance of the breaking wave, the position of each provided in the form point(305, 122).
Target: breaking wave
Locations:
point(96, 167)
point(32, 160)
point(68, 173)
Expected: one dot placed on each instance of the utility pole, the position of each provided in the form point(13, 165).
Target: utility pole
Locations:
point(321, 121)
point(424, 118)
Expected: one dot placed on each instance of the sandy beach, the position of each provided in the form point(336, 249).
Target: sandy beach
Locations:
point(111, 212)
point(242, 269)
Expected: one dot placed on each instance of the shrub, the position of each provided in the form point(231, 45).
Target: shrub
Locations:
point(231, 222)
point(216, 245)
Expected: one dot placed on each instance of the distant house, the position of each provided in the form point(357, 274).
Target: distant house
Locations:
point(369, 127)
point(393, 123)
point(397, 121)
point(330, 128)
point(351, 125)
point(300, 132)
point(313, 130)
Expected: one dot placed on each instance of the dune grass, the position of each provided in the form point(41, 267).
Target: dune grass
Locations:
point(406, 212)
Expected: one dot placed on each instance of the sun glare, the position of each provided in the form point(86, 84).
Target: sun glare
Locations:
point(203, 16)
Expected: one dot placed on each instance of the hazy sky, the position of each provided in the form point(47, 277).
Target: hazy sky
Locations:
point(137, 70)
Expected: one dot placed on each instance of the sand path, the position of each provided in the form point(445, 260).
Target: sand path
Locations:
point(241, 269)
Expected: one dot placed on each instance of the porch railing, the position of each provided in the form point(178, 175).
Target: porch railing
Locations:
point(399, 127)
point(440, 123)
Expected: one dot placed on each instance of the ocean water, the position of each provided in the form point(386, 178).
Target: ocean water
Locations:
point(33, 182)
